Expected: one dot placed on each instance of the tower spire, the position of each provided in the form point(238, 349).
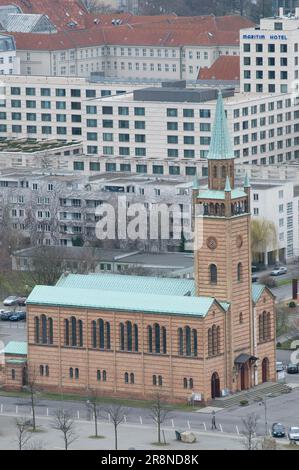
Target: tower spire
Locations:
point(221, 146)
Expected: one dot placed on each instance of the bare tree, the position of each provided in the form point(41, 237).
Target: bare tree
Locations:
point(249, 431)
point(32, 388)
point(117, 416)
point(64, 423)
point(94, 408)
point(23, 432)
point(269, 443)
point(159, 412)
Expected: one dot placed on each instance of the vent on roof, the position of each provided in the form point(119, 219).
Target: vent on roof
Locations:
point(211, 35)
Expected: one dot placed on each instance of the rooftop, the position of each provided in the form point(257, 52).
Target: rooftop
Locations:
point(16, 348)
point(120, 300)
point(30, 145)
point(224, 68)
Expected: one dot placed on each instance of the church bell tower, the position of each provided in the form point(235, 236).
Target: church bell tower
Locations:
point(223, 261)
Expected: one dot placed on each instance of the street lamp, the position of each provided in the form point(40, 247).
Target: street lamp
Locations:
point(264, 402)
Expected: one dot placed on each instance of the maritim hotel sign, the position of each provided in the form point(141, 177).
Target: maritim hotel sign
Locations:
point(270, 37)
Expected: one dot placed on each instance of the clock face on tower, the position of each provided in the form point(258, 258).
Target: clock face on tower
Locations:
point(212, 243)
point(239, 241)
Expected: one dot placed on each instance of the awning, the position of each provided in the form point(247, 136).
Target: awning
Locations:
point(243, 358)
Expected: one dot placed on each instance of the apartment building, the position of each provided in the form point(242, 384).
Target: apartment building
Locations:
point(9, 62)
point(60, 209)
point(145, 49)
point(163, 130)
point(270, 55)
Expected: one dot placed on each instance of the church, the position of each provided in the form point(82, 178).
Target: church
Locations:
point(131, 336)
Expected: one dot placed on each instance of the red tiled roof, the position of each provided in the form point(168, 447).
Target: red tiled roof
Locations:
point(60, 12)
point(226, 67)
point(170, 31)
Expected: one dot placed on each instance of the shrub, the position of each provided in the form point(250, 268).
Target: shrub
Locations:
point(244, 402)
point(268, 281)
point(292, 304)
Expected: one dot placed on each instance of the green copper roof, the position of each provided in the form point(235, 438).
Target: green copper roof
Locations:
point(213, 194)
point(221, 146)
point(257, 290)
point(16, 347)
point(112, 300)
point(129, 284)
point(227, 185)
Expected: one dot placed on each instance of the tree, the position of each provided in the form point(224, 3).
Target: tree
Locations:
point(159, 412)
point(32, 388)
point(23, 432)
point(64, 423)
point(249, 431)
point(268, 443)
point(263, 236)
point(96, 6)
point(94, 408)
point(117, 416)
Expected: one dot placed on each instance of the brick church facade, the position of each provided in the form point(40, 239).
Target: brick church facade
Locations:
point(130, 336)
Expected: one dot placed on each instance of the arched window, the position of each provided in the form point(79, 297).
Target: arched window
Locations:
point(122, 337)
point(241, 318)
point(185, 383)
point(213, 274)
point(50, 325)
point(239, 272)
point(215, 171)
point(150, 339)
point(80, 325)
point(164, 340)
point(194, 335)
point(191, 383)
point(36, 330)
point(98, 375)
point(13, 374)
point(67, 332)
point(108, 337)
point(74, 331)
point(94, 333)
point(181, 341)
point(214, 339)
point(157, 338)
point(160, 380)
point(71, 372)
point(126, 378)
point(260, 327)
point(188, 340)
point(154, 380)
point(129, 336)
point(77, 373)
point(101, 333)
point(104, 376)
point(223, 172)
point(41, 370)
point(218, 340)
point(135, 337)
point(132, 378)
point(44, 329)
point(268, 326)
point(47, 371)
point(210, 342)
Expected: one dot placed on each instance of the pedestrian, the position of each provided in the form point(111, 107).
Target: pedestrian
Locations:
point(213, 421)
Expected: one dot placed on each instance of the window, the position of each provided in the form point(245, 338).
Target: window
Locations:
point(239, 272)
point(214, 340)
point(213, 274)
point(264, 326)
point(187, 341)
point(172, 112)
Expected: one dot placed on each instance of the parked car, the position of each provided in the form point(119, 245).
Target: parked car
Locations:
point(254, 278)
point(254, 269)
point(21, 301)
point(278, 430)
point(279, 271)
point(279, 366)
point(18, 316)
point(292, 368)
point(293, 433)
point(6, 316)
point(10, 301)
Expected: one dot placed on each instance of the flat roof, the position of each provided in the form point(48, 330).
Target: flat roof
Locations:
point(30, 146)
